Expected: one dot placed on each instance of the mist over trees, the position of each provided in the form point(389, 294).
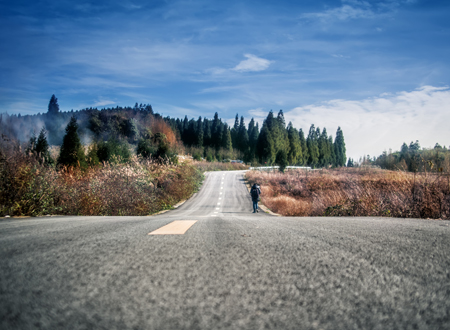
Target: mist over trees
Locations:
point(91, 136)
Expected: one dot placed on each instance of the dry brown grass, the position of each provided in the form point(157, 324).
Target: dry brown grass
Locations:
point(139, 187)
point(354, 192)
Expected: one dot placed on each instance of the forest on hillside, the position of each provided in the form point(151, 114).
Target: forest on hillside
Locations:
point(121, 131)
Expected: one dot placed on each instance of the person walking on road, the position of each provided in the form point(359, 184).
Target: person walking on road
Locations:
point(255, 191)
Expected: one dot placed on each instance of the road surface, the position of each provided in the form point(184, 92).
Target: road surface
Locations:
point(231, 269)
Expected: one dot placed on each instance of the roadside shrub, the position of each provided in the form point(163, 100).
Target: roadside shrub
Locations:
point(113, 150)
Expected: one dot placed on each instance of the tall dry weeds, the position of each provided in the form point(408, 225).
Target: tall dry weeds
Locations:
point(354, 192)
point(139, 187)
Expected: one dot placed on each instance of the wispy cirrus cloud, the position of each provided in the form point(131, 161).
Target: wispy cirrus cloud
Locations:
point(102, 103)
point(252, 63)
point(357, 9)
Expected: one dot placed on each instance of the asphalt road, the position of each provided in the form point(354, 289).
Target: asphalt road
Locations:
point(231, 270)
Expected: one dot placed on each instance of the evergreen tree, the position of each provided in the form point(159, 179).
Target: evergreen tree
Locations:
point(227, 144)
point(265, 149)
point(184, 132)
point(234, 132)
point(242, 137)
point(130, 129)
point(304, 146)
point(219, 139)
point(72, 152)
point(191, 135)
point(145, 148)
point(270, 121)
point(207, 140)
point(295, 149)
point(216, 131)
point(281, 119)
point(325, 157)
point(92, 156)
point(414, 156)
point(251, 127)
point(313, 148)
point(332, 153)
point(95, 124)
point(281, 160)
point(279, 133)
point(200, 133)
point(339, 148)
point(350, 163)
point(253, 132)
point(53, 120)
point(53, 107)
point(40, 148)
point(114, 150)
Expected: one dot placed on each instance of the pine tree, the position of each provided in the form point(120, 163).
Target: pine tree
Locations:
point(53, 120)
point(339, 148)
point(279, 132)
point(40, 148)
point(207, 133)
point(253, 132)
point(72, 152)
point(234, 132)
point(281, 160)
point(200, 133)
point(53, 107)
point(303, 144)
point(184, 131)
point(226, 139)
point(270, 121)
point(281, 119)
point(332, 153)
point(216, 131)
point(295, 149)
point(242, 137)
point(350, 163)
point(313, 148)
point(265, 149)
point(325, 158)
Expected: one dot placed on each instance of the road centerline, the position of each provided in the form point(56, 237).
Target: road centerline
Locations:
point(177, 227)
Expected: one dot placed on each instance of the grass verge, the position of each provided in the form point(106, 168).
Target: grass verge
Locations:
point(354, 192)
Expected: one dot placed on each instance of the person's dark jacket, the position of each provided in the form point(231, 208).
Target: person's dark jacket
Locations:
point(255, 195)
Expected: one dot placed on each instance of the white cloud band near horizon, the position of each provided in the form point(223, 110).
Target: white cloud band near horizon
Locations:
point(374, 125)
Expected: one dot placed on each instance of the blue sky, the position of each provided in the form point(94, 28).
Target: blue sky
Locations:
point(379, 69)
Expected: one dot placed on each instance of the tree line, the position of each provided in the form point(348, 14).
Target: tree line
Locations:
point(91, 136)
point(274, 143)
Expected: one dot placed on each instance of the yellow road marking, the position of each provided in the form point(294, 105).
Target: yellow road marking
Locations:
point(178, 227)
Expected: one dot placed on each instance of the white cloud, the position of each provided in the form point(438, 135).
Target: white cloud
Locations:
point(343, 13)
point(373, 125)
point(252, 63)
point(102, 103)
point(356, 9)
